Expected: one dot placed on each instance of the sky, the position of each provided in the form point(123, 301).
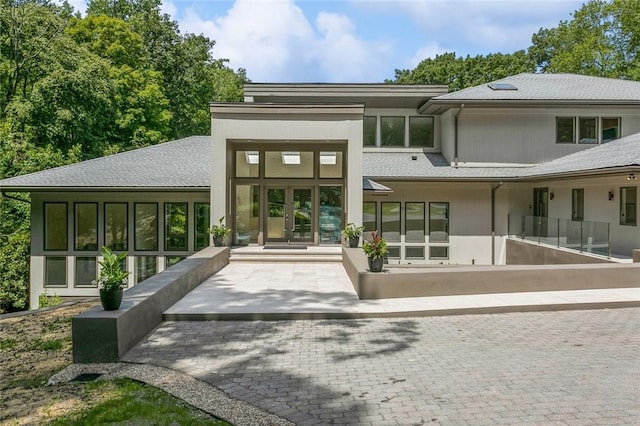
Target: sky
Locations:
point(358, 41)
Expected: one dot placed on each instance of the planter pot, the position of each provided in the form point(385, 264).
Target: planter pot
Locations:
point(218, 241)
point(111, 300)
point(375, 265)
point(353, 242)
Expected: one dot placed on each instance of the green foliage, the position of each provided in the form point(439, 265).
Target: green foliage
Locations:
point(376, 247)
point(8, 344)
point(352, 231)
point(220, 230)
point(14, 272)
point(112, 277)
point(45, 301)
point(46, 345)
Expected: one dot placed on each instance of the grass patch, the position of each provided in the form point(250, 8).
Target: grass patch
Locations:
point(8, 343)
point(46, 345)
point(129, 402)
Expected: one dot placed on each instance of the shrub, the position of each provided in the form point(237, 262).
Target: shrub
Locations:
point(14, 272)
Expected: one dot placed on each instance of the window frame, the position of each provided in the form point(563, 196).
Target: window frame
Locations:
point(406, 221)
point(430, 143)
point(575, 205)
point(195, 224)
point(624, 203)
point(46, 270)
point(126, 216)
point(167, 225)
point(75, 227)
point(75, 276)
point(448, 226)
point(382, 231)
point(580, 138)
point(66, 225)
point(375, 217)
point(375, 130)
point(404, 131)
point(135, 227)
point(432, 257)
point(573, 131)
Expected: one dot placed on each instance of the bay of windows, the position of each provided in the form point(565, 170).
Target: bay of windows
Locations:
point(587, 130)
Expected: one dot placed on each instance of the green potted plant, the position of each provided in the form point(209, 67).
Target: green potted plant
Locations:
point(220, 233)
point(375, 249)
point(353, 233)
point(111, 280)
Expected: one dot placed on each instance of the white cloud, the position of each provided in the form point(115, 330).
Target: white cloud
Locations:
point(169, 8)
point(430, 50)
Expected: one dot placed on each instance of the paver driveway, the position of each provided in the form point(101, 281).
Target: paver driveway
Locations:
point(575, 367)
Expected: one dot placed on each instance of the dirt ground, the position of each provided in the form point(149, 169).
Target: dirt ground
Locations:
point(32, 349)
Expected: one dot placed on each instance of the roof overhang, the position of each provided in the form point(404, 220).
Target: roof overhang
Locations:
point(227, 109)
point(440, 106)
point(14, 188)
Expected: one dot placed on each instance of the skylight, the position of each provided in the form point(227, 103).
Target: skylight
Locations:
point(290, 158)
point(328, 158)
point(253, 157)
point(502, 86)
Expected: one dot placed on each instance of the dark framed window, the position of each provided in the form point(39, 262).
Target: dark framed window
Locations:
point(610, 129)
point(390, 225)
point(86, 226)
point(369, 217)
point(176, 227)
point(146, 226)
point(369, 131)
point(628, 203)
point(421, 132)
point(438, 222)
point(55, 271)
point(588, 130)
point(414, 253)
point(247, 164)
point(116, 221)
point(577, 204)
point(565, 130)
point(202, 224)
point(145, 267)
point(393, 252)
point(392, 131)
point(55, 226)
point(414, 222)
point(86, 271)
point(438, 252)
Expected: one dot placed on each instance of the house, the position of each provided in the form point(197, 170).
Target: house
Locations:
point(444, 177)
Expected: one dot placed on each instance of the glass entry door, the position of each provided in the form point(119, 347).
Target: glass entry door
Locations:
point(289, 215)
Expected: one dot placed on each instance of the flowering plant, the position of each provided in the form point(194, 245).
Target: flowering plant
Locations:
point(111, 277)
point(376, 247)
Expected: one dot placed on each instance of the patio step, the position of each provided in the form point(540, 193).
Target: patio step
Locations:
point(283, 254)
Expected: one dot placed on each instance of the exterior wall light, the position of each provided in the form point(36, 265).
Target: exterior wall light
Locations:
point(610, 195)
point(632, 176)
point(552, 196)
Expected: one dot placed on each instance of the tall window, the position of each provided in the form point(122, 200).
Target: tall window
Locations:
point(565, 130)
point(577, 204)
point(628, 205)
point(392, 131)
point(330, 214)
point(369, 131)
point(610, 129)
point(588, 133)
point(421, 131)
point(175, 227)
point(369, 218)
point(414, 222)
point(86, 226)
point(202, 219)
point(391, 221)
point(146, 226)
point(55, 226)
point(115, 226)
point(438, 222)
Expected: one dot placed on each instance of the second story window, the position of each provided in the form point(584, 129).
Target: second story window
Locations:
point(587, 130)
point(421, 132)
point(565, 130)
point(369, 131)
point(610, 129)
point(392, 131)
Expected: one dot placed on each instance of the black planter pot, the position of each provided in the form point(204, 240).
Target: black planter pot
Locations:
point(375, 265)
point(111, 300)
point(218, 241)
point(353, 242)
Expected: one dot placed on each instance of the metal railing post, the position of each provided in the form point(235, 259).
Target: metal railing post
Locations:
point(558, 232)
point(609, 238)
point(581, 235)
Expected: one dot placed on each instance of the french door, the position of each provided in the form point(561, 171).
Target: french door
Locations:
point(289, 215)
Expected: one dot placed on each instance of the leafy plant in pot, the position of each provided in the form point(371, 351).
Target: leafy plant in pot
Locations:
point(375, 249)
point(111, 280)
point(352, 233)
point(219, 233)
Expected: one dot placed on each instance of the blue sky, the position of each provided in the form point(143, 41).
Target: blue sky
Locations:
point(358, 40)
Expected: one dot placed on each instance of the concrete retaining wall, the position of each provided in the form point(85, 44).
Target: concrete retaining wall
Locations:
point(525, 253)
point(464, 280)
point(105, 336)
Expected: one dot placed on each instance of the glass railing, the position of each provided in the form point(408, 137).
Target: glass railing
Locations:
point(582, 236)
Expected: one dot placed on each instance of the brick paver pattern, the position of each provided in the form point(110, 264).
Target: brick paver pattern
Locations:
point(573, 367)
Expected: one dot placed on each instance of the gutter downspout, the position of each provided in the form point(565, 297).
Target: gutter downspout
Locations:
point(493, 222)
point(455, 138)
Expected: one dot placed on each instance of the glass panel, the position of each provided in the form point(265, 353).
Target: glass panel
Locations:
point(172, 260)
point(55, 226)
point(414, 222)
point(587, 130)
point(369, 219)
point(86, 271)
point(288, 164)
point(414, 253)
point(146, 220)
point(330, 164)
point(421, 131)
point(439, 252)
point(202, 221)
point(369, 131)
point(145, 267)
point(275, 213)
point(565, 130)
point(175, 227)
point(610, 129)
point(86, 226)
point(247, 164)
point(247, 213)
point(438, 222)
point(115, 226)
point(628, 205)
point(394, 253)
point(330, 214)
point(55, 272)
point(391, 131)
point(391, 221)
point(577, 204)
point(302, 214)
